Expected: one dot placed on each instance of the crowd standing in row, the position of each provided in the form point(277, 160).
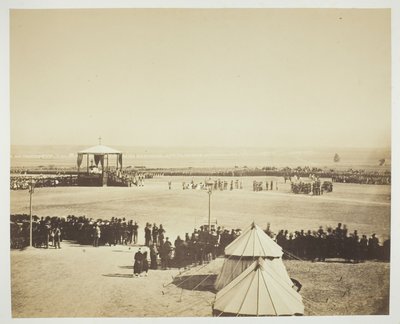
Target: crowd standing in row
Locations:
point(322, 244)
point(212, 184)
point(269, 185)
point(202, 245)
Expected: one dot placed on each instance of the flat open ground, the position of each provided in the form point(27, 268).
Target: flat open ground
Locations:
point(82, 281)
point(362, 207)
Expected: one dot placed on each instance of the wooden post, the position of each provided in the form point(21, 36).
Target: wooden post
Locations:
point(209, 210)
point(30, 213)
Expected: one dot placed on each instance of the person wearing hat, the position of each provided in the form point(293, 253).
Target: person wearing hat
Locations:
point(161, 232)
point(135, 228)
point(166, 254)
point(154, 233)
point(137, 266)
point(153, 256)
point(373, 245)
point(147, 234)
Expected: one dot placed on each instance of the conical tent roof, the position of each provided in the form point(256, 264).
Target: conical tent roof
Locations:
point(258, 291)
point(253, 242)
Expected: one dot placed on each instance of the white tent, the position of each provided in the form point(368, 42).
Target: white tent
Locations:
point(258, 291)
point(247, 248)
point(254, 242)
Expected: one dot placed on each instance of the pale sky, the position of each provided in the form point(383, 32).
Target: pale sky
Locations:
point(201, 77)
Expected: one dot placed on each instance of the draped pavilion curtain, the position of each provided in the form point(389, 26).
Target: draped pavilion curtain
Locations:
point(97, 158)
point(79, 160)
point(120, 160)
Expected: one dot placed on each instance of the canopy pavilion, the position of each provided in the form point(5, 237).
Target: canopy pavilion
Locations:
point(99, 172)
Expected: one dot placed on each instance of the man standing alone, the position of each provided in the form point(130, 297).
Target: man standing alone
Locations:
point(96, 235)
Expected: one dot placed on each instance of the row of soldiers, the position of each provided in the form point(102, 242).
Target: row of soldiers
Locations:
point(315, 188)
point(269, 185)
point(322, 244)
point(22, 182)
point(215, 185)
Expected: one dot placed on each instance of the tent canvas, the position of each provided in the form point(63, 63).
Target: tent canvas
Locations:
point(253, 242)
point(233, 267)
point(247, 248)
point(258, 291)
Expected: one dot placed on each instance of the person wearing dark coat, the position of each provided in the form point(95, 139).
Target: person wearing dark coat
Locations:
point(145, 263)
point(154, 233)
point(153, 257)
point(165, 254)
point(137, 267)
point(147, 234)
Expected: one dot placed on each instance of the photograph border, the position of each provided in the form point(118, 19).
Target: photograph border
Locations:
point(5, 286)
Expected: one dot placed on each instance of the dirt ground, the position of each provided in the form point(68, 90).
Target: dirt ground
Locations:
point(365, 208)
point(83, 281)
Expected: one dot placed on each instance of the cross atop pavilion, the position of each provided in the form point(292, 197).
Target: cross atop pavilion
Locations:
point(100, 140)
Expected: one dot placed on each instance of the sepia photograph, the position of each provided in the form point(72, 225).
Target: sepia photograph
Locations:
point(200, 162)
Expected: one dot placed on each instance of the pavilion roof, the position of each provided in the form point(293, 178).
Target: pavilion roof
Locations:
point(100, 149)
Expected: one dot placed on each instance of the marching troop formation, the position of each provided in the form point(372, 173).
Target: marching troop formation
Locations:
point(212, 184)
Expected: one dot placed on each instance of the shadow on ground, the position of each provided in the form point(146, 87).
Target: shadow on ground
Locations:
point(126, 267)
point(118, 275)
point(196, 282)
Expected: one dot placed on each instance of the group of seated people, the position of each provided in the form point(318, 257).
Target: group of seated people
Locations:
point(22, 182)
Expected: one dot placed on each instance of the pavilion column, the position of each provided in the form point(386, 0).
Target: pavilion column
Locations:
point(87, 163)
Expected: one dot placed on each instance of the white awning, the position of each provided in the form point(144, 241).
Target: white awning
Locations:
point(100, 149)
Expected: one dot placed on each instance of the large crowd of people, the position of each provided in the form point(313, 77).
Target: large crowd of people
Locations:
point(319, 245)
point(135, 177)
point(202, 245)
point(115, 178)
point(22, 182)
point(360, 176)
